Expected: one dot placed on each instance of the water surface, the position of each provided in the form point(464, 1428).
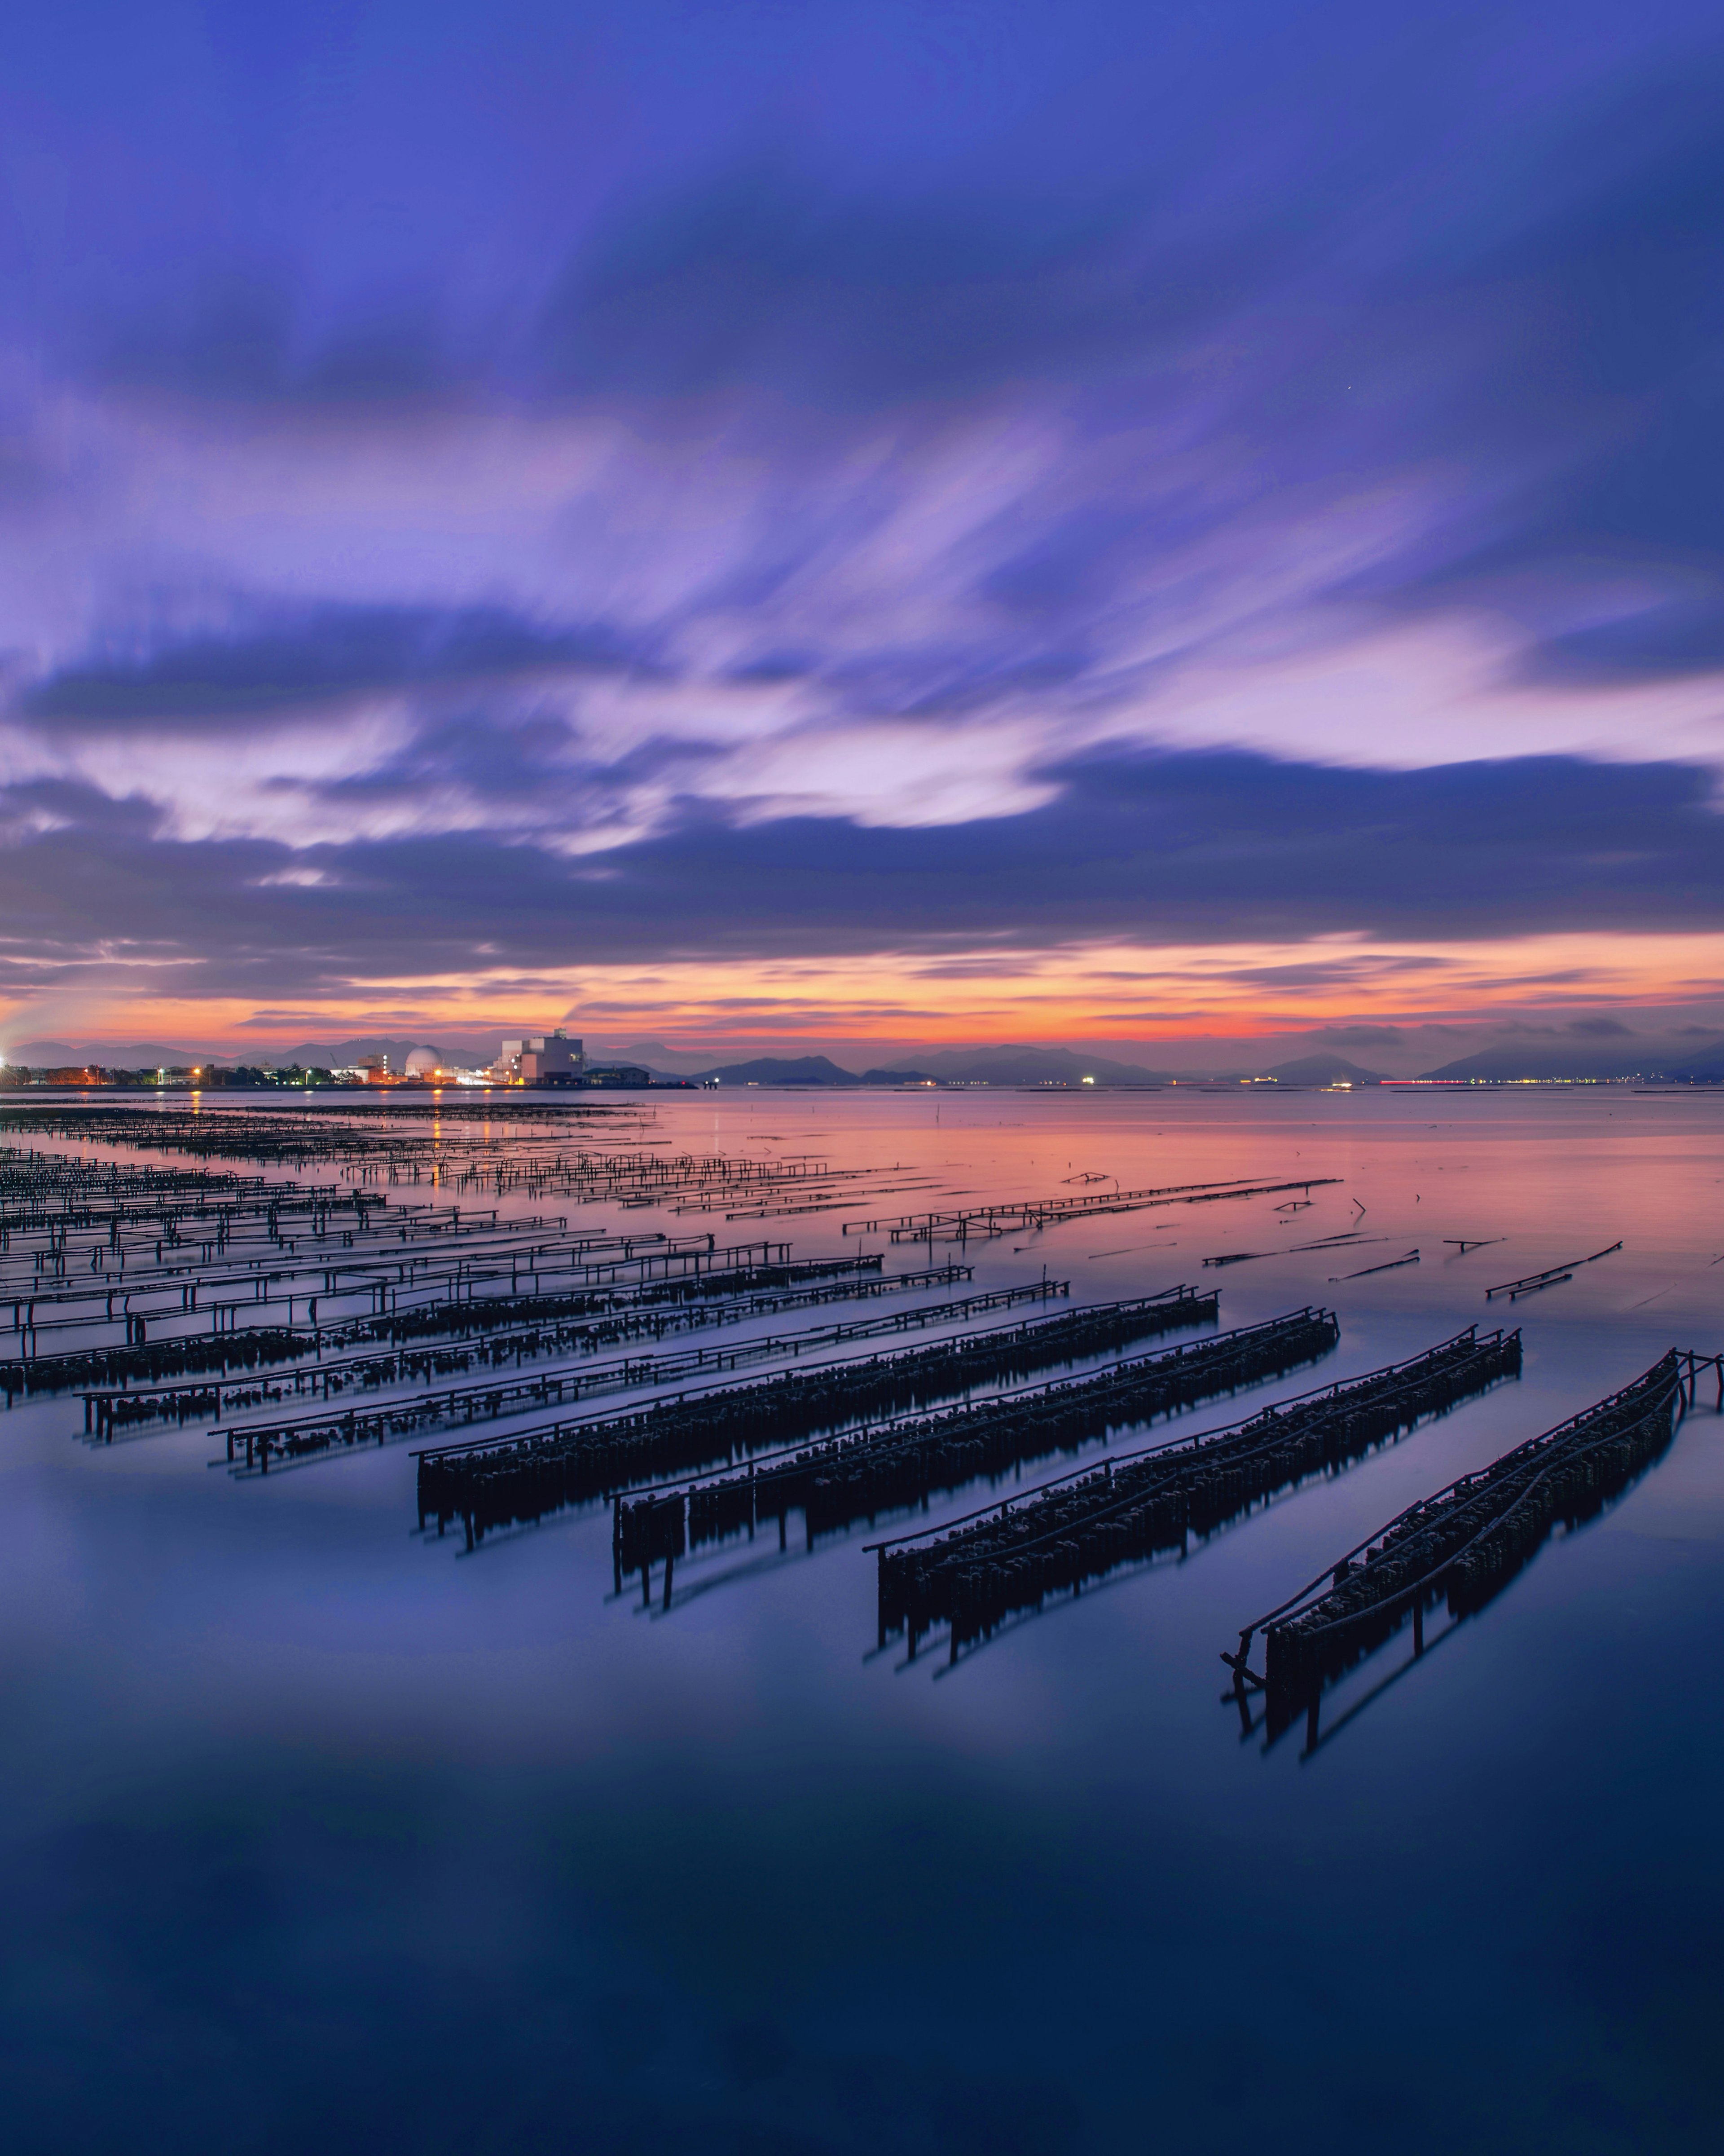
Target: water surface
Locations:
point(317, 1833)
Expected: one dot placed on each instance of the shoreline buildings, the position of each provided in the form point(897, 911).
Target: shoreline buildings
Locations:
point(550, 1059)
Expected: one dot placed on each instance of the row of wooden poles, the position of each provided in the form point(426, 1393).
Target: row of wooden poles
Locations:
point(612, 1291)
point(349, 1139)
point(976, 1574)
point(489, 1154)
point(177, 1248)
point(480, 1261)
point(572, 1462)
point(453, 1406)
point(901, 1463)
point(1462, 1546)
point(1021, 1216)
point(448, 1339)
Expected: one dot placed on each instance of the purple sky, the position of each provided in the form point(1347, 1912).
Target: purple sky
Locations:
point(754, 523)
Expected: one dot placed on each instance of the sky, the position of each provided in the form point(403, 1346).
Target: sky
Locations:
point(852, 526)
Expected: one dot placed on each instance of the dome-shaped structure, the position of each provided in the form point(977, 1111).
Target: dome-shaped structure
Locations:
point(424, 1062)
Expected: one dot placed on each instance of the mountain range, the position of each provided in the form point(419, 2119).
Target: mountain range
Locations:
point(1628, 1060)
point(1321, 1071)
point(1009, 1064)
point(323, 1055)
point(994, 1066)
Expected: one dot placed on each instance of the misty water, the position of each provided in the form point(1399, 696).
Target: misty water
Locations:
point(318, 1833)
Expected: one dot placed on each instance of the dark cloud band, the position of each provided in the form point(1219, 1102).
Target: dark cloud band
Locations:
point(1169, 849)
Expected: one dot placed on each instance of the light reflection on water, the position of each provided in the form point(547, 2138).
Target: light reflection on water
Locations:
point(316, 1828)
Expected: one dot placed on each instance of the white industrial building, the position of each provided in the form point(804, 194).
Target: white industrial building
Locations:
point(550, 1058)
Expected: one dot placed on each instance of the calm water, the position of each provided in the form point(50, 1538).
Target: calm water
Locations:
point(318, 1834)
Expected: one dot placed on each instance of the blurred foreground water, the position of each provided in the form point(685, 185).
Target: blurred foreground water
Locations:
point(316, 1833)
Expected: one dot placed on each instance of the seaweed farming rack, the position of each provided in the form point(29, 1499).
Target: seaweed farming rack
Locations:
point(975, 1574)
point(500, 1152)
point(415, 1251)
point(1552, 1276)
point(53, 1193)
point(653, 1306)
point(296, 1437)
point(449, 1276)
point(511, 1483)
point(649, 1313)
point(1464, 1544)
point(896, 1466)
point(1020, 1217)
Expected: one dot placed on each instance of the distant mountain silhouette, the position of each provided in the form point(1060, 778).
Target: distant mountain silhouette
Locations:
point(1628, 1060)
point(1704, 1062)
point(325, 1054)
point(782, 1070)
point(1321, 1071)
point(52, 1051)
point(1023, 1065)
point(661, 1060)
point(988, 1067)
point(124, 1056)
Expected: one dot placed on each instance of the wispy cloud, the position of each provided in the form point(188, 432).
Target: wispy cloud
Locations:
point(1183, 487)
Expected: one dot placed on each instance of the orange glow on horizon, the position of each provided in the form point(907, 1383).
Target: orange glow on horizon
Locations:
point(1094, 991)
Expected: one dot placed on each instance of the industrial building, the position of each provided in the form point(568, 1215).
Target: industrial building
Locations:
point(541, 1059)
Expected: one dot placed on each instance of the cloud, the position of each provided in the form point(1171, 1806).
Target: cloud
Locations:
point(1222, 488)
point(761, 275)
point(1585, 281)
point(1150, 851)
point(302, 660)
point(232, 337)
point(1361, 1036)
point(1679, 634)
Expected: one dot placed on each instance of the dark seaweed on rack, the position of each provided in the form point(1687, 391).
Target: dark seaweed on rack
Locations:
point(901, 1465)
point(409, 1349)
point(637, 1307)
point(974, 1577)
point(510, 1482)
point(331, 1428)
point(1467, 1542)
point(539, 1150)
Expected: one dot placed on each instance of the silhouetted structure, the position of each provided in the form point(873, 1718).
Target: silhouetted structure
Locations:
point(1021, 1216)
point(524, 1478)
point(899, 1465)
point(1466, 1543)
point(439, 1407)
point(973, 1576)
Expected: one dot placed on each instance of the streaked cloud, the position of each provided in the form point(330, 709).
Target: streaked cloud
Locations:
point(664, 491)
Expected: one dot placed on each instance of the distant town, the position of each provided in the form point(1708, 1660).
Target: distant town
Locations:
point(558, 1061)
point(545, 1060)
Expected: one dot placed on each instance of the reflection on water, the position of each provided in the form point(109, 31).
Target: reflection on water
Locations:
point(1458, 1549)
point(314, 1829)
point(976, 1577)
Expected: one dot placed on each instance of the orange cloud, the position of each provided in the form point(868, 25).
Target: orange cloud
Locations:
point(1076, 991)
